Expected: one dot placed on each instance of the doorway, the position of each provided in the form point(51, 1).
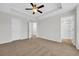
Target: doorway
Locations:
point(67, 30)
point(32, 30)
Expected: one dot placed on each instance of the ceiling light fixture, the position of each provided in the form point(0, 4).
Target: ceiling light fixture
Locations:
point(35, 8)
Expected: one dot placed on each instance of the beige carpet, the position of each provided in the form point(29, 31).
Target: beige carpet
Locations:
point(37, 47)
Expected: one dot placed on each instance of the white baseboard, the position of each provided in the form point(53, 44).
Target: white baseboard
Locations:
point(3, 42)
point(38, 36)
point(6, 41)
point(51, 39)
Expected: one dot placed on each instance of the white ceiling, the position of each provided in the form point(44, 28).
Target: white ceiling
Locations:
point(49, 9)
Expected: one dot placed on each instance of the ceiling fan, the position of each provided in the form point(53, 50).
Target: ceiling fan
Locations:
point(35, 8)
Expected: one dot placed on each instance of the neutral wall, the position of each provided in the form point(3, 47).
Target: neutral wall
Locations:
point(19, 28)
point(49, 28)
point(77, 27)
point(5, 28)
point(24, 29)
point(12, 28)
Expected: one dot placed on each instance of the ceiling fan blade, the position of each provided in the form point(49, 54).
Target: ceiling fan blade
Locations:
point(39, 11)
point(32, 4)
point(28, 8)
point(40, 6)
point(33, 12)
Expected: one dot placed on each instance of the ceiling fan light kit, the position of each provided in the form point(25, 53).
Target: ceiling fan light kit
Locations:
point(35, 8)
